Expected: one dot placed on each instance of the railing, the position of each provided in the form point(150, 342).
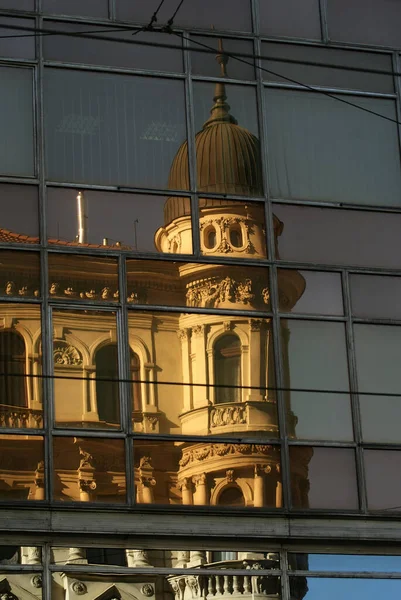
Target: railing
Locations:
point(20, 416)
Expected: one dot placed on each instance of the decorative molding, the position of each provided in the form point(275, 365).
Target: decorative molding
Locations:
point(36, 581)
point(65, 355)
point(213, 291)
point(79, 588)
point(147, 590)
point(193, 455)
point(227, 415)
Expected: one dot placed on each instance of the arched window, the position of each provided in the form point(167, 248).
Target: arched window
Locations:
point(236, 237)
point(227, 369)
point(12, 363)
point(107, 388)
point(136, 385)
point(231, 496)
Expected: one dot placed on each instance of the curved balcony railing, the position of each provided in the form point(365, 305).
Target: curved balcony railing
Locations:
point(20, 416)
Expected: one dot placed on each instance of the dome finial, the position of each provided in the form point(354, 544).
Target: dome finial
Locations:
point(220, 110)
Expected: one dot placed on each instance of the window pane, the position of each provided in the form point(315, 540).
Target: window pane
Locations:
point(22, 4)
point(322, 292)
point(323, 478)
point(226, 14)
point(19, 213)
point(89, 8)
point(382, 481)
point(290, 18)
point(203, 473)
point(319, 416)
point(345, 562)
point(376, 296)
point(346, 589)
point(196, 353)
point(20, 361)
point(326, 75)
point(226, 560)
point(17, 585)
point(230, 228)
point(18, 47)
point(86, 388)
point(365, 21)
point(197, 285)
point(119, 221)
point(112, 129)
point(19, 274)
point(89, 470)
point(204, 63)
point(315, 355)
point(76, 277)
point(313, 234)
point(25, 555)
point(22, 473)
point(114, 53)
point(340, 166)
point(219, 140)
point(16, 122)
point(377, 349)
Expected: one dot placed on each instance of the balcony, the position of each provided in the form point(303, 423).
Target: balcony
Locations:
point(20, 416)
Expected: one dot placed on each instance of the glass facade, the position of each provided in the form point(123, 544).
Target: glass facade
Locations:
point(200, 267)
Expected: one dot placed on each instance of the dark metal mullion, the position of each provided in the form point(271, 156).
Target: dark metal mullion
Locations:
point(353, 380)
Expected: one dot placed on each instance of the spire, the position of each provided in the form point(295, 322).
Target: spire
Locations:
point(220, 110)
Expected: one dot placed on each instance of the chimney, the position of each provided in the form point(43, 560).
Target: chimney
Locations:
point(82, 217)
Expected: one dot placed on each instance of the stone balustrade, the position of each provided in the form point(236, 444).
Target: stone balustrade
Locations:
point(20, 416)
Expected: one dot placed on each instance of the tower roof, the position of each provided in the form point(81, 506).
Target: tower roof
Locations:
point(227, 156)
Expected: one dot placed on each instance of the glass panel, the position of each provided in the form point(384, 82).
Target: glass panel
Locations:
point(22, 473)
point(314, 355)
point(19, 274)
point(290, 18)
point(365, 21)
point(89, 470)
point(340, 166)
point(19, 213)
point(226, 14)
point(16, 122)
point(195, 284)
point(326, 75)
point(114, 53)
point(118, 221)
point(323, 478)
point(21, 585)
point(16, 555)
point(204, 62)
point(383, 484)
point(319, 416)
point(210, 359)
point(345, 562)
point(346, 589)
point(228, 155)
point(376, 296)
point(18, 47)
point(87, 8)
point(22, 4)
point(86, 388)
point(322, 292)
point(112, 129)
point(75, 277)
point(167, 558)
point(351, 237)
point(20, 361)
point(232, 475)
point(230, 228)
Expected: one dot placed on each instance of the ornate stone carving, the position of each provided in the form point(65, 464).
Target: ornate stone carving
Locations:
point(10, 288)
point(147, 590)
point(183, 334)
point(69, 291)
point(79, 588)
point(178, 585)
point(36, 581)
point(23, 291)
point(230, 475)
point(255, 324)
point(66, 355)
point(138, 296)
point(200, 479)
point(193, 455)
point(152, 421)
point(266, 295)
point(186, 484)
point(227, 415)
point(262, 470)
point(198, 330)
point(105, 294)
point(54, 288)
point(212, 292)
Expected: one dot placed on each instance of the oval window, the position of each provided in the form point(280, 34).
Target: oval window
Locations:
point(236, 238)
point(210, 238)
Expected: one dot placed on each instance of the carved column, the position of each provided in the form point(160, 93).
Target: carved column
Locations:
point(147, 480)
point(186, 487)
point(255, 346)
point(183, 335)
point(197, 558)
point(34, 555)
point(86, 478)
point(201, 496)
point(259, 490)
point(137, 558)
point(89, 396)
point(279, 489)
point(76, 556)
point(40, 481)
point(199, 367)
point(183, 558)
